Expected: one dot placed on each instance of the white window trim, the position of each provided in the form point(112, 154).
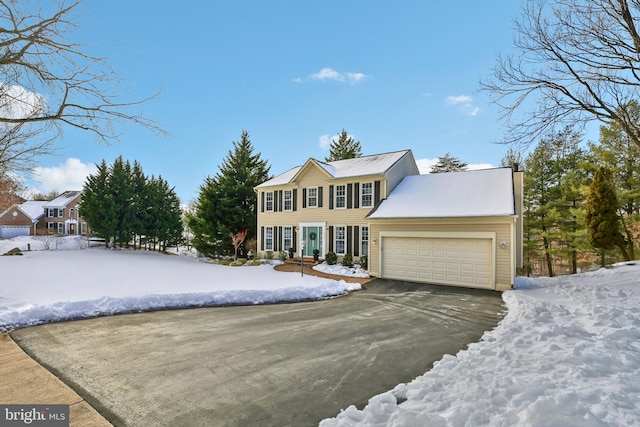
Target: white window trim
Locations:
point(284, 200)
point(286, 246)
point(362, 205)
point(362, 240)
point(309, 197)
point(335, 239)
point(343, 197)
point(266, 239)
point(266, 201)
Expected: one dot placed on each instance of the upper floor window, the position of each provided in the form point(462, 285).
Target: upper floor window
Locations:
point(71, 213)
point(268, 201)
point(341, 196)
point(366, 195)
point(312, 197)
point(287, 200)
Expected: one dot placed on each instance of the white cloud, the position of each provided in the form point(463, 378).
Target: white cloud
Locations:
point(69, 175)
point(327, 74)
point(19, 103)
point(465, 103)
point(424, 165)
point(453, 100)
point(325, 141)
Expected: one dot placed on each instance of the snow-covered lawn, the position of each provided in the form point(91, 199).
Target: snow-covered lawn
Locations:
point(566, 354)
point(70, 282)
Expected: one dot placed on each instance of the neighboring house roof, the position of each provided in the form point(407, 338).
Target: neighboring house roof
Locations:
point(475, 193)
point(63, 200)
point(359, 166)
point(34, 209)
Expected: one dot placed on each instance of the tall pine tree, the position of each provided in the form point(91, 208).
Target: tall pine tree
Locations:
point(345, 147)
point(227, 202)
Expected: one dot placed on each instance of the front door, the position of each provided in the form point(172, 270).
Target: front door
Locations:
point(312, 236)
point(72, 228)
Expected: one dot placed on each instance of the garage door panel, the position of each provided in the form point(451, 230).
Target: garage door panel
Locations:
point(11, 231)
point(449, 261)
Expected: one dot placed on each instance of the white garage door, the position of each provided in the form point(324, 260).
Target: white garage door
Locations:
point(9, 231)
point(447, 261)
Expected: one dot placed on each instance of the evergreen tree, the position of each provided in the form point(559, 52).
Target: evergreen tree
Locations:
point(121, 188)
point(227, 202)
point(617, 152)
point(345, 147)
point(98, 206)
point(168, 217)
point(448, 163)
point(601, 214)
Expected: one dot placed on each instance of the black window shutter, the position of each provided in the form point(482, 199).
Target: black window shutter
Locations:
point(349, 240)
point(262, 236)
point(295, 199)
point(331, 197)
point(356, 195)
point(278, 238)
point(319, 197)
point(349, 195)
point(294, 241)
point(275, 201)
point(279, 201)
point(262, 202)
point(331, 238)
point(304, 197)
point(376, 193)
point(356, 240)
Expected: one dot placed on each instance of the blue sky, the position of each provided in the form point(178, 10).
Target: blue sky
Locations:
point(395, 75)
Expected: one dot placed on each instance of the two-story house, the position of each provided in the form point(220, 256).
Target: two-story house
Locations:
point(61, 214)
point(324, 206)
point(458, 228)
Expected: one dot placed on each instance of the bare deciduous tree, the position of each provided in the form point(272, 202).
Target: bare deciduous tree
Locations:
point(48, 82)
point(575, 61)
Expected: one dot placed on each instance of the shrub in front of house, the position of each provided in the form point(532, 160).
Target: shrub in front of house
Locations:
point(331, 258)
point(347, 260)
point(364, 262)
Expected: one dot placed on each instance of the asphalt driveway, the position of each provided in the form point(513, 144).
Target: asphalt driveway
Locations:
point(271, 365)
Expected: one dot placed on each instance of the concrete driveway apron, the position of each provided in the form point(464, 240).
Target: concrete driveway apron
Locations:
point(271, 365)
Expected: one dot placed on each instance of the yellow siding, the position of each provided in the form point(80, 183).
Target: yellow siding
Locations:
point(501, 227)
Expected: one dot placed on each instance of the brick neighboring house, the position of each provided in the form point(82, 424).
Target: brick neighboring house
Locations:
point(61, 215)
point(23, 219)
point(58, 216)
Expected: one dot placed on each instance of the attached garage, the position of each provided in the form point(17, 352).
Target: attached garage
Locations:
point(455, 229)
point(455, 261)
point(10, 231)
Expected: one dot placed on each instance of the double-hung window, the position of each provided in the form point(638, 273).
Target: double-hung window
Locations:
point(268, 238)
point(287, 238)
point(268, 201)
point(287, 200)
point(366, 195)
point(340, 238)
point(341, 196)
point(364, 240)
point(312, 197)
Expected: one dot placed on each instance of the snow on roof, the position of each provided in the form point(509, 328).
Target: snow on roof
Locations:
point(486, 192)
point(359, 166)
point(34, 209)
point(63, 200)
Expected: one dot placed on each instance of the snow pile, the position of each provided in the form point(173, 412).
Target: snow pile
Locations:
point(45, 286)
point(566, 354)
point(340, 270)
